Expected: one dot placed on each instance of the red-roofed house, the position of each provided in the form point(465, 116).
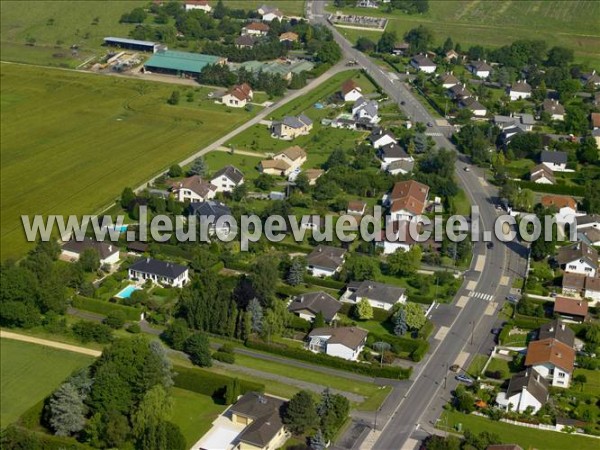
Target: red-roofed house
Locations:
point(408, 199)
point(198, 4)
point(351, 91)
point(553, 360)
point(256, 29)
point(571, 308)
point(238, 96)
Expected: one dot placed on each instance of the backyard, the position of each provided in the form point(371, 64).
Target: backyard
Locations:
point(21, 384)
point(81, 135)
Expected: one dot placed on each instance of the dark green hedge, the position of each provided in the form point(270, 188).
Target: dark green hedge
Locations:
point(325, 282)
point(299, 324)
point(224, 357)
point(237, 265)
point(104, 307)
point(292, 247)
point(426, 330)
point(416, 348)
point(331, 361)
point(529, 322)
point(577, 191)
point(15, 437)
point(210, 383)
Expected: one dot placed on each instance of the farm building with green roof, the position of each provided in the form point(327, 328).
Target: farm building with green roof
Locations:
point(283, 69)
point(180, 63)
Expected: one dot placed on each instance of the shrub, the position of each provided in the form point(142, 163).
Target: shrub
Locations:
point(104, 308)
point(331, 361)
point(299, 324)
point(227, 348)
point(228, 358)
point(90, 331)
point(209, 383)
point(115, 319)
point(134, 328)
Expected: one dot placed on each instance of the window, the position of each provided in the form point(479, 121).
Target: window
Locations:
point(561, 374)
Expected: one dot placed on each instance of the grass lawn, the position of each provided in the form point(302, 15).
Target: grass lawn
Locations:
point(217, 160)
point(523, 436)
point(461, 203)
point(194, 413)
point(30, 373)
point(289, 7)
point(82, 138)
point(495, 23)
point(498, 364)
point(592, 385)
point(72, 24)
point(476, 365)
point(516, 340)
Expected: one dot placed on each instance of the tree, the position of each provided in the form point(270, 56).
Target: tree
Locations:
point(176, 334)
point(233, 391)
point(317, 442)
point(405, 263)
point(333, 410)
point(256, 315)
point(381, 347)
point(149, 419)
point(220, 10)
point(199, 167)
point(364, 310)
point(587, 152)
point(329, 53)
point(365, 45)
point(400, 325)
point(197, 347)
point(415, 315)
point(115, 319)
point(264, 273)
point(559, 57)
point(296, 272)
point(19, 314)
point(337, 158)
point(319, 321)
point(67, 409)
point(89, 260)
point(591, 199)
point(115, 429)
point(174, 98)
point(264, 182)
point(360, 268)
point(300, 415)
point(448, 45)
point(419, 38)
point(387, 42)
point(239, 192)
point(580, 379)
point(175, 171)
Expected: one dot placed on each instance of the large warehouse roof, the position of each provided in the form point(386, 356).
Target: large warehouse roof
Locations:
point(129, 41)
point(181, 61)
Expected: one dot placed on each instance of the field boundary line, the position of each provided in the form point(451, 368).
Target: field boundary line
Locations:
point(45, 342)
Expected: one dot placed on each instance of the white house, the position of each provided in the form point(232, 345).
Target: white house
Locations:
point(448, 80)
point(256, 29)
point(588, 221)
point(591, 289)
point(238, 96)
point(552, 359)
point(379, 138)
point(379, 295)
point(325, 261)
point(554, 109)
point(391, 153)
point(566, 207)
point(480, 69)
point(108, 253)
point(578, 258)
point(396, 237)
point(541, 174)
point(527, 389)
point(351, 91)
point(423, 63)
point(193, 189)
point(554, 160)
point(342, 342)
point(407, 200)
point(473, 105)
point(269, 13)
point(519, 90)
point(198, 4)
point(227, 179)
point(160, 272)
point(366, 109)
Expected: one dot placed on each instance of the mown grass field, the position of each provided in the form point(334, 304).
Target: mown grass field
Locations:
point(194, 413)
point(71, 142)
point(492, 23)
point(527, 438)
point(31, 372)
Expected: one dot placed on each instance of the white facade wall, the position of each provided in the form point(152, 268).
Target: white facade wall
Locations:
point(224, 184)
point(174, 282)
point(581, 267)
point(341, 351)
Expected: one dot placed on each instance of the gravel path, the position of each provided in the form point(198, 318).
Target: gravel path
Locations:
point(33, 340)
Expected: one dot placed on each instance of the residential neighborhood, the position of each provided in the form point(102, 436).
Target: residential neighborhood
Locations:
point(352, 224)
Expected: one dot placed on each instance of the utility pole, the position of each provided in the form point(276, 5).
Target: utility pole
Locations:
point(445, 375)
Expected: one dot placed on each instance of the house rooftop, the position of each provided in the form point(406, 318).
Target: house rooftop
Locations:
point(550, 351)
point(521, 86)
point(553, 107)
point(351, 337)
point(558, 330)
point(559, 201)
point(423, 61)
point(531, 380)
point(210, 208)
point(295, 152)
point(570, 306)
point(327, 257)
point(349, 86)
point(160, 268)
point(104, 249)
point(553, 157)
point(196, 184)
point(258, 26)
point(381, 292)
point(578, 251)
point(316, 302)
point(265, 412)
point(231, 172)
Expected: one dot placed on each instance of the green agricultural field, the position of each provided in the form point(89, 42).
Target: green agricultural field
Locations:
point(56, 26)
point(289, 7)
point(30, 373)
point(492, 23)
point(514, 434)
point(79, 139)
point(194, 413)
point(217, 160)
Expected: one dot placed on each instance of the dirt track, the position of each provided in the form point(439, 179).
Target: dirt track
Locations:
point(33, 340)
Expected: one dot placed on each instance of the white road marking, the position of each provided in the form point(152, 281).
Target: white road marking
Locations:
point(480, 263)
point(461, 359)
point(471, 285)
point(411, 444)
point(504, 281)
point(489, 311)
point(462, 301)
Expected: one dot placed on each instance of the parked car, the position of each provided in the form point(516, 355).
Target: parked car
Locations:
point(466, 169)
point(464, 379)
point(512, 298)
point(430, 124)
point(490, 245)
point(454, 367)
point(496, 330)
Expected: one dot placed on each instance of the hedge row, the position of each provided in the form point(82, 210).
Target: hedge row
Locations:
point(529, 322)
point(331, 361)
point(288, 291)
point(503, 336)
point(104, 307)
point(224, 357)
point(15, 437)
point(237, 265)
point(426, 330)
point(379, 315)
point(292, 247)
point(210, 383)
point(416, 348)
point(299, 324)
point(324, 282)
point(174, 251)
point(577, 191)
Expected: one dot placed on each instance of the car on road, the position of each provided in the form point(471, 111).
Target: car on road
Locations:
point(467, 169)
point(512, 298)
point(402, 102)
point(490, 245)
point(496, 330)
point(464, 379)
point(430, 124)
point(454, 367)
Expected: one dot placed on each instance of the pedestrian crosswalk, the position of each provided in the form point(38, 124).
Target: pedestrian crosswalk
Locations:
point(481, 296)
point(433, 134)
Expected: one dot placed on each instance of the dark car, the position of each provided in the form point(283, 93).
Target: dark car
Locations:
point(496, 330)
point(430, 124)
point(490, 245)
point(402, 102)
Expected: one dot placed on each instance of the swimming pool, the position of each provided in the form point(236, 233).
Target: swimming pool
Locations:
point(127, 291)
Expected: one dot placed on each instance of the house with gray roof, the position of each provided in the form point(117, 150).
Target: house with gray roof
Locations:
point(379, 295)
point(366, 109)
point(423, 63)
point(578, 258)
point(326, 261)
point(227, 179)
point(526, 390)
point(558, 330)
point(342, 342)
point(480, 69)
point(554, 160)
point(159, 272)
point(108, 252)
point(290, 127)
point(308, 305)
point(554, 109)
point(213, 215)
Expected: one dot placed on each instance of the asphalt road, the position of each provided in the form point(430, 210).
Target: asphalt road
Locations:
point(469, 332)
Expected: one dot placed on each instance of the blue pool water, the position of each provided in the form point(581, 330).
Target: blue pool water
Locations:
point(127, 291)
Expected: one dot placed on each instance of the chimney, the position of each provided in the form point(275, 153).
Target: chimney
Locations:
point(562, 326)
point(110, 248)
point(148, 260)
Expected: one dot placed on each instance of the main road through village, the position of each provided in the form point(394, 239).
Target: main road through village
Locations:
point(471, 317)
